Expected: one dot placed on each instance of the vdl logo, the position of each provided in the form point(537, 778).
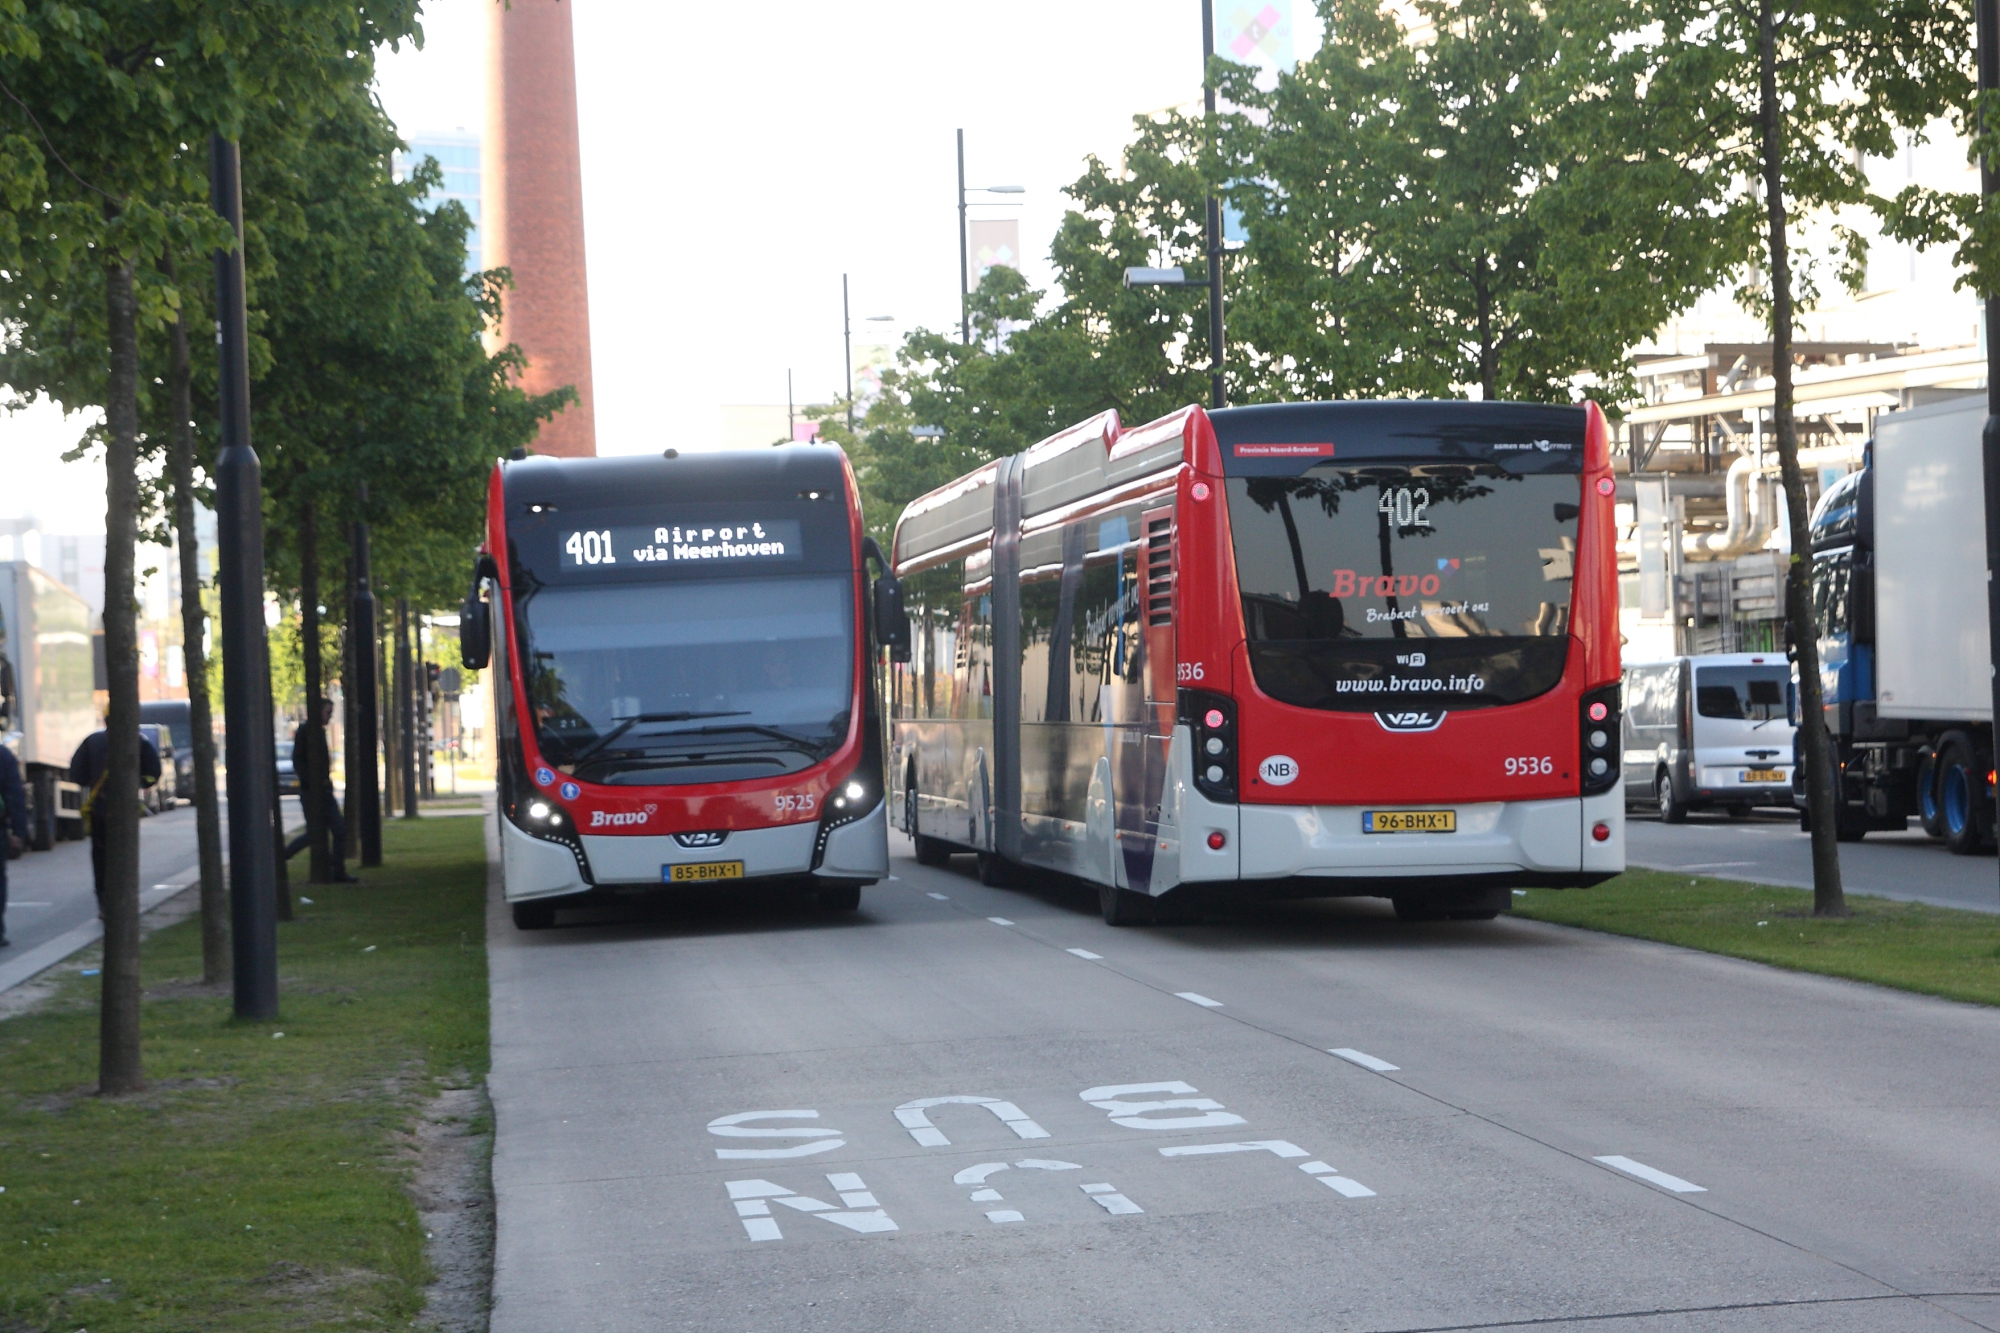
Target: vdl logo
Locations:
point(1415, 720)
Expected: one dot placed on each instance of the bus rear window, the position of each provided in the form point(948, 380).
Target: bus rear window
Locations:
point(1441, 584)
point(1744, 693)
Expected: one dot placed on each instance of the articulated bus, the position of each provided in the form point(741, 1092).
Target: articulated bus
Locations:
point(1316, 649)
point(683, 675)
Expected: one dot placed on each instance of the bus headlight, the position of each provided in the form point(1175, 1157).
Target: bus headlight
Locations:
point(539, 810)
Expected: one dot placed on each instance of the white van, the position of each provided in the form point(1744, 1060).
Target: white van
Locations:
point(1714, 732)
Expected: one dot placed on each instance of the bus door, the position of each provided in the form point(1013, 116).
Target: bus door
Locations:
point(1143, 724)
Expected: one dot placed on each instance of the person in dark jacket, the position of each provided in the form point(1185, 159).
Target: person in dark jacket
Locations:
point(312, 760)
point(88, 768)
point(13, 813)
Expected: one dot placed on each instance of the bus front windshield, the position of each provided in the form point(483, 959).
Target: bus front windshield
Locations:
point(689, 680)
point(1406, 585)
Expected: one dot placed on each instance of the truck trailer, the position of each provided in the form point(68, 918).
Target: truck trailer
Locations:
point(47, 704)
point(1899, 586)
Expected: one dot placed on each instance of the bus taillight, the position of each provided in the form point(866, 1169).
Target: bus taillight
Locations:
point(1600, 740)
point(1211, 718)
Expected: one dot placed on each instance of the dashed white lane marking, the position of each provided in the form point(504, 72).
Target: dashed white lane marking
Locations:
point(941, 897)
point(1341, 1185)
point(1365, 1060)
point(1651, 1176)
point(1193, 997)
point(1004, 1215)
point(1278, 1146)
point(1085, 953)
point(999, 920)
point(1713, 865)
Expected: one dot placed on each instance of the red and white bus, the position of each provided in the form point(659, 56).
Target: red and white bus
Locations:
point(683, 674)
point(1315, 649)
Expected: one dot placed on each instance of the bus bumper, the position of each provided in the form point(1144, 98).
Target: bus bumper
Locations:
point(1514, 840)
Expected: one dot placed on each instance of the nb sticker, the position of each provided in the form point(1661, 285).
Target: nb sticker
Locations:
point(1279, 770)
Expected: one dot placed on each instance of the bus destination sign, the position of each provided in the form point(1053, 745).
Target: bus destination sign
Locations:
point(764, 542)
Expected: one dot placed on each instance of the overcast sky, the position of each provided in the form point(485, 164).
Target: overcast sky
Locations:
point(738, 159)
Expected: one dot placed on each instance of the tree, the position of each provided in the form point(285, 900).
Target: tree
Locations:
point(1465, 192)
point(1796, 94)
point(109, 96)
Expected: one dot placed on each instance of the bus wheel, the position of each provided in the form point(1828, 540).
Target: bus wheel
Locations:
point(840, 898)
point(1929, 813)
point(1122, 907)
point(533, 916)
point(930, 851)
point(1672, 811)
point(1961, 792)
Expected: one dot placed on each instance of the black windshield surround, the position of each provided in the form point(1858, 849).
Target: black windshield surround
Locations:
point(724, 652)
point(1399, 555)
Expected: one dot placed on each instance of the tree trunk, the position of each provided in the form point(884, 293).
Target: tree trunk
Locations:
point(315, 762)
point(406, 707)
point(1822, 796)
point(118, 1063)
point(194, 627)
point(350, 730)
point(282, 885)
point(1489, 355)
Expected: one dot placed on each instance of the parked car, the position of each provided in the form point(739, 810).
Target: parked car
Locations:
point(161, 796)
point(175, 715)
point(1711, 732)
point(288, 777)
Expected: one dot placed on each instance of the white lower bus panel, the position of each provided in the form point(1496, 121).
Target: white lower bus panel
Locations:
point(535, 868)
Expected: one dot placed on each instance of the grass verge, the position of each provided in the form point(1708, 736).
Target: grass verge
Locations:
point(261, 1180)
point(1911, 946)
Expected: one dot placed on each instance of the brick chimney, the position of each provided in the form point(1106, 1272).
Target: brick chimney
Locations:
point(532, 205)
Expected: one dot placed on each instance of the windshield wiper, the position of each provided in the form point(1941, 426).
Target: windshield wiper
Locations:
point(776, 733)
point(632, 722)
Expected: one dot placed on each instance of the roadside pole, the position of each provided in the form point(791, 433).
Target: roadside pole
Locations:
point(1988, 12)
point(1212, 222)
point(361, 635)
point(246, 678)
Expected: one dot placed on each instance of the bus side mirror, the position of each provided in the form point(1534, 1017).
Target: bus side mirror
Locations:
point(475, 631)
point(892, 622)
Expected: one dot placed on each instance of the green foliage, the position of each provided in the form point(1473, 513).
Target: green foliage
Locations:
point(1967, 221)
point(1512, 203)
point(260, 1182)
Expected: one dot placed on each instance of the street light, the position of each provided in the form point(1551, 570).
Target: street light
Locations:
point(1160, 277)
point(964, 266)
point(847, 344)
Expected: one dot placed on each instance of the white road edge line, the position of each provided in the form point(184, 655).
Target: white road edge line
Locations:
point(941, 897)
point(999, 920)
point(1651, 1176)
point(1193, 998)
point(1086, 954)
point(1365, 1060)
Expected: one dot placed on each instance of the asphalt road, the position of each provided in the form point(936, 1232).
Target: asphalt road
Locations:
point(49, 893)
point(714, 1118)
point(1769, 849)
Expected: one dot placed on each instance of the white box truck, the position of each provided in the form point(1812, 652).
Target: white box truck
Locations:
point(1899, 583)
point(47, 698)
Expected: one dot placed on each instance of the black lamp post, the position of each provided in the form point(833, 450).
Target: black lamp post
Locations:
point(239, 512)
point(1988, 16)
point(964, 263)
point(361, 637)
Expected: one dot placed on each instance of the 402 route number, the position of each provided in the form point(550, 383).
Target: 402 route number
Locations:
point(804, 805)
point(1185, 671)
point(1528, 766)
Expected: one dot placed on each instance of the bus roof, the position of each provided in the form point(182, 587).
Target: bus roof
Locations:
point(719, 474)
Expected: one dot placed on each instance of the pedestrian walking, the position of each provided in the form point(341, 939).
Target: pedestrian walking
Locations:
point(88, 768)
point(14, 814)
point(312, 760)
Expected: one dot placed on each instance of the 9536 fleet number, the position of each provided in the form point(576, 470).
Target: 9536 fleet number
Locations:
point(1529, 766)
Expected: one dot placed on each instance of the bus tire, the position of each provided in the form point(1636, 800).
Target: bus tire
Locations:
point(1672, 809)
point(1122, 907)
point(840, 898)
point(1961, 797)
point(994, 871)
point(1472, 916)
point(930, 851)
point(534, 916)
point(1929, 813)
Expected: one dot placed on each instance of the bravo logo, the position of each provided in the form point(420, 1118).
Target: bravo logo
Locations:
point(1351, 583)
point(1279, 770)
point(620, 818)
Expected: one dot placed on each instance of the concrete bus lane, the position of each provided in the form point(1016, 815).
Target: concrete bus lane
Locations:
point(968, 1107)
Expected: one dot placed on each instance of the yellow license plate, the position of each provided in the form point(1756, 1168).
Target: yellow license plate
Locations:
point(1763, 775)
point(1409, 821)
point(696, 872)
